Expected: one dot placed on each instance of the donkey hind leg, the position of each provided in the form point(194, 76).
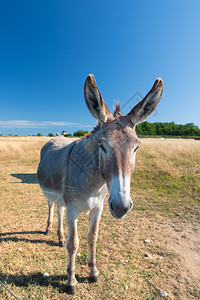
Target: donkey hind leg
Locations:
point(49, 228)
point(61, 236)
point(72, 247)
point(94, 219)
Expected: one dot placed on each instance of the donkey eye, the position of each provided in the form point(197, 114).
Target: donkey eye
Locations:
point(103, 148)
point(136, 148)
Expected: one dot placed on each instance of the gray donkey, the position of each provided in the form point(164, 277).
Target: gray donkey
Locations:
point(77, 175)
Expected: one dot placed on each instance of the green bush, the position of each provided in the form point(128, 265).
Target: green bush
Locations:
point(68, 135)
point(79, 133)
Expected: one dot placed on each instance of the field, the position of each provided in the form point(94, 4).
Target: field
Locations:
point(155, 247)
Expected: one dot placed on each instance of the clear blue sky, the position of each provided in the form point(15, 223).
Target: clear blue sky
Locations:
point(47, 48)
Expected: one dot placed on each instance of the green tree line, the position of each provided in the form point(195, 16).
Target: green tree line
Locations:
point(159, 129)
point(78, 133)
point(167, 129)
point(152, 129)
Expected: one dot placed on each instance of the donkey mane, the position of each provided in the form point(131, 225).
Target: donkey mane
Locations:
point(93, 131)
point(117, 112)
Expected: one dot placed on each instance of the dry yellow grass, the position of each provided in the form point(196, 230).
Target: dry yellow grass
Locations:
point(166, 182)
point(21, 148)
point(171, 155)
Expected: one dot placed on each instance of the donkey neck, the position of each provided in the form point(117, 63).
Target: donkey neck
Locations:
point(84, 170)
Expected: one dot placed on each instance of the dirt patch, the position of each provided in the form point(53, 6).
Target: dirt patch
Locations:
point(185, 240)
point(177, 244)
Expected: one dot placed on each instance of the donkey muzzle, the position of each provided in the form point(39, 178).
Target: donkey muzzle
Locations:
point(120, 205)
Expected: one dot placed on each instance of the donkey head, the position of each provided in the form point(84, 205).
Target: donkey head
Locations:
point(118, 142)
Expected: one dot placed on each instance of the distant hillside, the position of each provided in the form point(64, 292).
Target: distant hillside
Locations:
point(167, 129)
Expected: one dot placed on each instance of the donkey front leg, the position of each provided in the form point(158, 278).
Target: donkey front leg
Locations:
point(50, 218)
point(94, 219)
point(61, 236)
point(72, 247)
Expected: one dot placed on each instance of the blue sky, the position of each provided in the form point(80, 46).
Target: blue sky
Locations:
point(47, 48)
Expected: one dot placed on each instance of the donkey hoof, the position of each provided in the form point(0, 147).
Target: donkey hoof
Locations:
point(94, 278)
point(62, 244)
point(71, 289)
point(48, 231)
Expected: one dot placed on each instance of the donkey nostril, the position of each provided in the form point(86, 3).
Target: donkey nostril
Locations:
point(111, 205)
point(131, 205)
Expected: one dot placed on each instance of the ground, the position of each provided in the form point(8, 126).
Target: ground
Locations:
point(155, 248)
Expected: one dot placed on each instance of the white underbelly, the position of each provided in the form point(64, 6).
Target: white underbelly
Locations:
point(54, 197)
point(81, 203)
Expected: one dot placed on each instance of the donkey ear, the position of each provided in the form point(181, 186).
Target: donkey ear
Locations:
point(94, 101)
point(146, 106)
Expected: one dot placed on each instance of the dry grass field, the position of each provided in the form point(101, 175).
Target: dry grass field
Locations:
point(155, 247)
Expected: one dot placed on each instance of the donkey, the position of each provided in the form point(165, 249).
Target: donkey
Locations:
point(77, 175)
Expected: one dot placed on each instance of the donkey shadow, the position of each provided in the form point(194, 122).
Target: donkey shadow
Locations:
point(30, 178)
point(38, 279)
point(56, 281)
point(12, 237)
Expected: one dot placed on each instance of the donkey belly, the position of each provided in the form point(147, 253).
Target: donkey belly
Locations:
point(85, 203)
point(54, 196)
